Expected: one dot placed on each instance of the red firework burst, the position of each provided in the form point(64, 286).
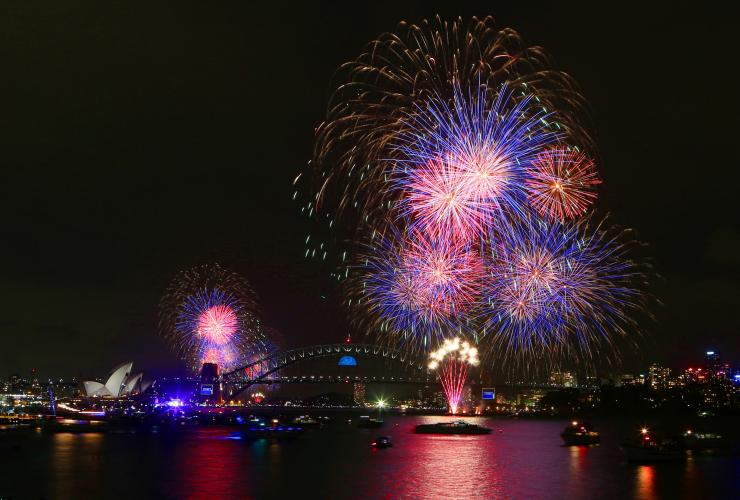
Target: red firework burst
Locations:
point(217, 324)
point(561, 183)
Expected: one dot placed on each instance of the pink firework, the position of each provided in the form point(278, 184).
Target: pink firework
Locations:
point(561, 183)
point(455, 195)
point(446, 272)
point(223, 355)
point(487, 173)
point(217, 325)
point(453, 359)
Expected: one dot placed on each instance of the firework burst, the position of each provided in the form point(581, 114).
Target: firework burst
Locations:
point(560, 183)
point(416, 286)
point(449, 79)
point(209, 314)
point(453, 359)
point(557, 293)
point(462, 161)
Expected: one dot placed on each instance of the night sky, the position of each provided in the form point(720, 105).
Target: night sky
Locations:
point(138, 140)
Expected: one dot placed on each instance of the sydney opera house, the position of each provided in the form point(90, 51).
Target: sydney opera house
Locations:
point(120, 383)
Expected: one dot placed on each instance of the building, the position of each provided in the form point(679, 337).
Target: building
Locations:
point(712, 361)
point(358, 393)
point(715, 367)
point(120, 383)
point(630, 379)
point(659, 376)
point(562, 379)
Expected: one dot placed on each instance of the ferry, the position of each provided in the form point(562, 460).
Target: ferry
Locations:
point(455, 427)
point(580, 434)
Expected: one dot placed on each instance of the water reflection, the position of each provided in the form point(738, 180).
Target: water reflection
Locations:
point(577, 467)
point(72, 455)
point(645, 481)
point(521, 459)
point(578, 455)
point(210, 466)
point(438, 466)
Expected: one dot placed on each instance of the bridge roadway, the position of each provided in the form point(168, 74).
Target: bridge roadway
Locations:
point(339, 379)
point(430, 380)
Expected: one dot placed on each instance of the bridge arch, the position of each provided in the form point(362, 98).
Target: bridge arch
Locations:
point(255, 372)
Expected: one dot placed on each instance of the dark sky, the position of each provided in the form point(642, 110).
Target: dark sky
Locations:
point(139, 139)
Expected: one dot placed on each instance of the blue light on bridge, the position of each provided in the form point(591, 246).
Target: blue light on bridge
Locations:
point(347, 361)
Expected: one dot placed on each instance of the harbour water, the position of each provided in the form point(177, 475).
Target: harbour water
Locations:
point(520, 459)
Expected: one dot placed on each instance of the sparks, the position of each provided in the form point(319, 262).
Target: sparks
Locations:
point(453, 359)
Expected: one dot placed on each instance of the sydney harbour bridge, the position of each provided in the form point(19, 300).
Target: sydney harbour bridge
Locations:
point(397, 367)
point(401, 367)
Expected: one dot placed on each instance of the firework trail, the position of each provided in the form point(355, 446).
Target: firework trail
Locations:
point(209, 315)
point(453, 359)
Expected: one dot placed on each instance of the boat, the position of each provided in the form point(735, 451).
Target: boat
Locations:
point(272, 432)
point(580, 434)
point(306, 421)
point(382, 442)
point(648, 448)
point(704, 442)
point(455, 427)
point(366, 422)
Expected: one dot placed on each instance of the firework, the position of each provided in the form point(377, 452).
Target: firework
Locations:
point(560, 183)
point(453, 359)
point(462, 164)
point(557, 292)
point(209, 315)
point(459, 162)
point(464, 86)
point(416, 286)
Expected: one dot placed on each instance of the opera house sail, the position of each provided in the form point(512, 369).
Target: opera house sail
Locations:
point(120, 383)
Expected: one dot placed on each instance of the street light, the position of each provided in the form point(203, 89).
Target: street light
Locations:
point(380, 404)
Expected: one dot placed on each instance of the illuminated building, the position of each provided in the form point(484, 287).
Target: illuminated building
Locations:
point(562, 379)
point(695, 375)
point(711, 361)
point(120, 383)
point(468, 399)
point(714, 366)
point(358, 393)
point(659, 376)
